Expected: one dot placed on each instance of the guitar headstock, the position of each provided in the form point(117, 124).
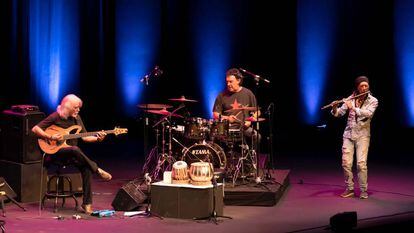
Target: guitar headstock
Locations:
point(118, 131)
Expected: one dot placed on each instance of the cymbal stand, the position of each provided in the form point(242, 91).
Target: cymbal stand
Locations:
point(165, 161)
point(240, 165)
point(152, 156)
point(231, 167)
point(165, 158)
point(240, 162)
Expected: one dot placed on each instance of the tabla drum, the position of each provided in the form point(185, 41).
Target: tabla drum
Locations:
point(201, 173)
point(219, 129)
point(196, 128)
point(180, 173)
point(205, 152)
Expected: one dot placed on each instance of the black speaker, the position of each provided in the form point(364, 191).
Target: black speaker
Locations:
point(129, 196)
point(24, 179)
point(343, 222)
point(4, 187)
point(19, 143)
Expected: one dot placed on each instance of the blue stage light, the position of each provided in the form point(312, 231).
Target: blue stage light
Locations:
point(137, 39)
point(53, 49)
point(404, 48)
point(213, 23)
point(315, 31)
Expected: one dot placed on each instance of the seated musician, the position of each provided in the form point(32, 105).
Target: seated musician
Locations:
point(234, 97)
point(66, 115)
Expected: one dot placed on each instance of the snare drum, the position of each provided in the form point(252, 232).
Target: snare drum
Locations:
point(196, 128)
point(180, 173)
point(219, 129)
point(201, 173)
point(235, 135)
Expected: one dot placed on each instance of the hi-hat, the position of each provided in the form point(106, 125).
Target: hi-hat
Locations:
point(253, 119)
point(164, 112)
point(183, 99)
point(242, 108)
point(153, 106)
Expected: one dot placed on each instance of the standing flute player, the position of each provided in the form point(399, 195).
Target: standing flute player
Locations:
point(356, 135)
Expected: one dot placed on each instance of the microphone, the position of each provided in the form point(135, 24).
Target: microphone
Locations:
point(147, 178)
point(156, 72)
point(270, 106)
point(321, 126)
point(254, 75)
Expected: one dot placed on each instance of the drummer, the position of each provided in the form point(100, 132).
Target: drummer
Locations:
point(235, 104)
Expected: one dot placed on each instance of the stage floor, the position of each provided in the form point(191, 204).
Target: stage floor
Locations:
point(309, 201)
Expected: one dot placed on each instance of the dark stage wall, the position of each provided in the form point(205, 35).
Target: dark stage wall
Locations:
point(265, 36)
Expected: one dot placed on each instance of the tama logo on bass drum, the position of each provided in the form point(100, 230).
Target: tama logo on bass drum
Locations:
point(201, 152)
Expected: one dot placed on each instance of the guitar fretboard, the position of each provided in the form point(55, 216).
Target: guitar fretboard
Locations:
point(81, 135)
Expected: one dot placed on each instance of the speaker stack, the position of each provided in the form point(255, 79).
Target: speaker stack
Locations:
point(20, 160)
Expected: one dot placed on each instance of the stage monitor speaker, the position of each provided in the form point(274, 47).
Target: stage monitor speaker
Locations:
point(129, 197)
point(19, 143)
point(5, 187)
point(344, 222)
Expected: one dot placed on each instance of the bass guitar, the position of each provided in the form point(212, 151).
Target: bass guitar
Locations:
point(53, 146)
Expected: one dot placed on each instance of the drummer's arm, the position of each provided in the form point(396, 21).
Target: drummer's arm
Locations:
point(231, 118)
point(255, 115)
point(216, 115)
point(247, 124)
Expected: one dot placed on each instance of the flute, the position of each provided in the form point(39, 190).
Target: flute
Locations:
point(336, 102)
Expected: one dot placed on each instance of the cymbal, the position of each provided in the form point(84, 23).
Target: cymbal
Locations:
point(252, 119)
point(242, 108)
point(183, 99)
point(154, 106)
point(163, 112)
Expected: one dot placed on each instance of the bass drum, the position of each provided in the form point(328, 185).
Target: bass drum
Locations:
point(205, 152)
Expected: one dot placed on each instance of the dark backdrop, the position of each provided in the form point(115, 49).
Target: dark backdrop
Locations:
point(266, 44)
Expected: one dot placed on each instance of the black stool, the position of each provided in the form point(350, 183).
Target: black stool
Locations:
point(58, 180)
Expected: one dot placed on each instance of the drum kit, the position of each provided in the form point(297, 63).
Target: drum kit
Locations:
point(210, 146)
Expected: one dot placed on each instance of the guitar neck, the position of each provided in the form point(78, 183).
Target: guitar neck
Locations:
point(81, 135)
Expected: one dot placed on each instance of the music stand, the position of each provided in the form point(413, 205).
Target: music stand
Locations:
point(4, 194)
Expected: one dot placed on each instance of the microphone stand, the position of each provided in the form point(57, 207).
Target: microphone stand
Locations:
point(213, 217)
point(258, 179)
point(145, 80)
point(270, 112)
point(257, 133)
point(148, 212)
point(154, 73)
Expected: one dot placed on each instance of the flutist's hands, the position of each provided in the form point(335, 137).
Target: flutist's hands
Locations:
point(350, 104)
point(334, 108)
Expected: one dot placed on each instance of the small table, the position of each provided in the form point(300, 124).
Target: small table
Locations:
point(186, 201)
